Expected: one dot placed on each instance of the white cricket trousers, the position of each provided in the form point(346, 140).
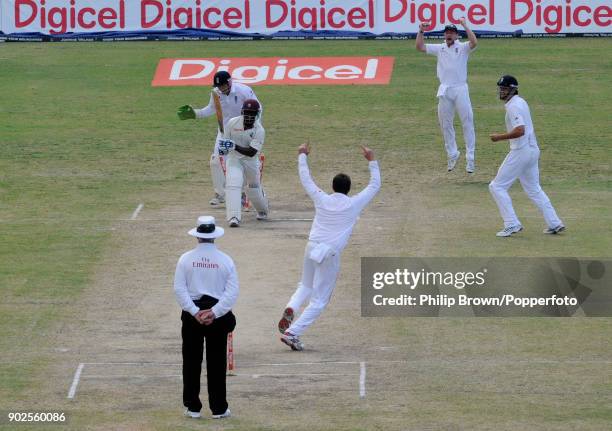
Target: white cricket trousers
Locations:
point(457, 99)
point(241, 170)
point(317, 285)
point(217, 169)
point(521, 164)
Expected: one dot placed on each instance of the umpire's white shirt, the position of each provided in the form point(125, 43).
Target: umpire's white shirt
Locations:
point(336, 214)
point(253, 137)
point(231, 105)
point(452, 63)
point(206, 271)
point(518, 114)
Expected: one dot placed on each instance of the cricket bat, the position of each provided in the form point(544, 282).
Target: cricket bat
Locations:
point(218, 110)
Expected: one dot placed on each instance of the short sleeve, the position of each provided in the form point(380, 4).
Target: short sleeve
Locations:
point(515, 116)
point(465, 47)
point(432, 48)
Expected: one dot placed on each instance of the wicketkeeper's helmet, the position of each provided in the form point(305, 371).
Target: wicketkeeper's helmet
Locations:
point(222, 77)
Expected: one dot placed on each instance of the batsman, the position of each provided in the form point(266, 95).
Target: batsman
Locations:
point(242, 143)
point(226, 102)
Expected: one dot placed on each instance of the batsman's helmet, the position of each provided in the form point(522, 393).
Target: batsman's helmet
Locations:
point(251, 106)
point(222, 77)
point(250, 111)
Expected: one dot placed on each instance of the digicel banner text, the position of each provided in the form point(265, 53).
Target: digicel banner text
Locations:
point(271, 16)
point(276, 70)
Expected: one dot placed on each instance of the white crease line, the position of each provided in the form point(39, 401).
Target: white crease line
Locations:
point(410, 362)
point(133, 376)
point(137, 211)
point(290, 219)
point(171, 364)
point(362, 380)
point(75, 381)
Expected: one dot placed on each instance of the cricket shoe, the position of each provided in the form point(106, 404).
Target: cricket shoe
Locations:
point(554, 230)
point(470, 167)
point(227, 414)
point(509, 230)
point(234, 222)
point(217, 200)
point(292, 341)
point(452, 161)
point(262, 215)
point(286, 320)
point(195, 415)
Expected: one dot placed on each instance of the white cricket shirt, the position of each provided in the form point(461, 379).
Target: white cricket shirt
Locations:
point(337, 213)
point(452, 62)
point(206, 271)
point(518, 114)
point(231, 105)
point(253, 137)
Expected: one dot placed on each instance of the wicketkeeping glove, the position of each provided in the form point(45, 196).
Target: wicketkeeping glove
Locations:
point(225, 146)
point(186, 112)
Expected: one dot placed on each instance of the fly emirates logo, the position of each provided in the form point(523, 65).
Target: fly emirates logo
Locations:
point(276, 71)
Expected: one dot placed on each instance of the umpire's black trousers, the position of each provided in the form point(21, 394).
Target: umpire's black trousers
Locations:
point(215, 334)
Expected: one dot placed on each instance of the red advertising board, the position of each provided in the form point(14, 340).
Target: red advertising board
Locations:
point(276, 71)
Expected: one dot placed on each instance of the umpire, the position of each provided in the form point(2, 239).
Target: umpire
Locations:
point(206, 288)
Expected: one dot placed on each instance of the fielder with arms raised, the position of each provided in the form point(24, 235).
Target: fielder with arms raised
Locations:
point(521, 163)
point(335, 217)
point(453, 94)
point(242, 142)
point(231, 96)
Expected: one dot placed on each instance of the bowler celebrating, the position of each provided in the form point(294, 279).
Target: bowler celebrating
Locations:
point(521, 163)
point(453, 94)
point(335, 217)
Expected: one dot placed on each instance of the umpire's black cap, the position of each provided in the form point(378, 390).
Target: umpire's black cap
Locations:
point(451, 27)
point(222, 77)
point(507, 81)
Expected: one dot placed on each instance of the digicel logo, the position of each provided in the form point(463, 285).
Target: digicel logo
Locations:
point(276, 71)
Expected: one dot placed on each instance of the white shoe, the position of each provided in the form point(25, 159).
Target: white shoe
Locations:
point(452, 162)
point(470, 167)
point(292, 341)
point(509, 231)
point(217, 200)
point(262, 215)
point(194, 415)
point(554, 230)
point(234, 222)
point(227, 414)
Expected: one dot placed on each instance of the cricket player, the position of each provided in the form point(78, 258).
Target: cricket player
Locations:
point(335, 217)
point(521, 162)
point(231, 96)
point(242, 142)
point(206, 289)
point(453, 94)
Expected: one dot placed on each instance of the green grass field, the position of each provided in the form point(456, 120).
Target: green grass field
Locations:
point(84, 139)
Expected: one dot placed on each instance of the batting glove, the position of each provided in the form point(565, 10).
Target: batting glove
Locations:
point(186, 112)
point(225, 146)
